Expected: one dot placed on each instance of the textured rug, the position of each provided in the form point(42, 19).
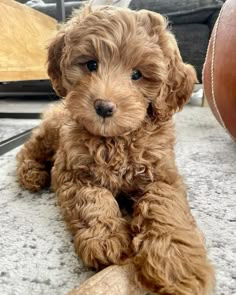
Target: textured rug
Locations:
point(12, 127)
point(36, 252)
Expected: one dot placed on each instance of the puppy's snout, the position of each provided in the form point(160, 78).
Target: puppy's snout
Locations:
point(104, 108)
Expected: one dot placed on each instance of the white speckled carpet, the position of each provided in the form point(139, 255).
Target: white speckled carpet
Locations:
point(36, 253)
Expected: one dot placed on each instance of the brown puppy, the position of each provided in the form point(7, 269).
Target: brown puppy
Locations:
point(122, 78)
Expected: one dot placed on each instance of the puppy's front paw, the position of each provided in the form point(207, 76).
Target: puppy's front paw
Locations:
point(172, 267)
point(105, 243)
point(32, 175)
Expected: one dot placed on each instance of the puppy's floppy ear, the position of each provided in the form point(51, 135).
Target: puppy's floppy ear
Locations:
point(55, 52)
point(179, 78)
point(179, 83)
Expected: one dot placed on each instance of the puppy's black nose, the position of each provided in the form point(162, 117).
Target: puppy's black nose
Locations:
point(104, 108)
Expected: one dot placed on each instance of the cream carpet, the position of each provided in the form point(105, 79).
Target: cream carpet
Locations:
point(36, 253)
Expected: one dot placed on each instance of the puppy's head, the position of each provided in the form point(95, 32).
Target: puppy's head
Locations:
point(118, 69)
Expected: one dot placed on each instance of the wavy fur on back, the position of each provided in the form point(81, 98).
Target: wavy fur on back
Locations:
point(90, 160)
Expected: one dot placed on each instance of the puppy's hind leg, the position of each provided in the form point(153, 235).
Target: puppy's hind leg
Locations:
point(36, 156)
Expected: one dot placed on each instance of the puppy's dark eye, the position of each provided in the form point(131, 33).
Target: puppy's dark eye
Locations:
point(92, 65)
point(136, 75)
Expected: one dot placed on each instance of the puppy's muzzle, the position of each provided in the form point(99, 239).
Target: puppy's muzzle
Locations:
point(104, 108)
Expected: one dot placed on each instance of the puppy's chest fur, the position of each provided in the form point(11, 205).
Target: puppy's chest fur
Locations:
point(115, 163)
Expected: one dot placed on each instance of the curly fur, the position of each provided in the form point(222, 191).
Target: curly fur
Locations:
point(92, 160)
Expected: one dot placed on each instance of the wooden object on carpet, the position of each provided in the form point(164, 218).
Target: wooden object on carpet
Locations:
point(113, 280)
point(25, 34)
